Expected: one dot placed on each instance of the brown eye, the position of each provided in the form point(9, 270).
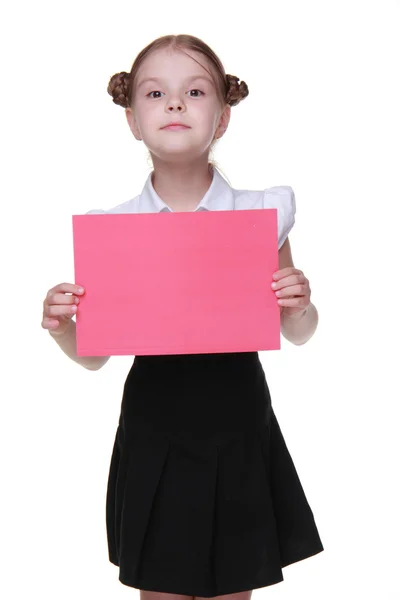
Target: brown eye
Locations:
point(154, 92)
point(196, 91)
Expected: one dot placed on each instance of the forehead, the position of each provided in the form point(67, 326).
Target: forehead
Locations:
point(167, 62)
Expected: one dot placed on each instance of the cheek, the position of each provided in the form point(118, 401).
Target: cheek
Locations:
point(147, 121)
point(208, 119)
point(144, 111)
point(145, 115)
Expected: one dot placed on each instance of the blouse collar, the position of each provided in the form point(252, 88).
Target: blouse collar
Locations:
point(219, 196)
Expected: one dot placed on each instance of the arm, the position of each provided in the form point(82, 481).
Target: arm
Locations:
point(298, 328)
point(67, 343)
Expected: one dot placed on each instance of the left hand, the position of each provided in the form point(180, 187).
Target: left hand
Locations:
point(294, 290)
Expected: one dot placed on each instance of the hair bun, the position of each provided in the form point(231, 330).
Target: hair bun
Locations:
point(235, 91)
point(118, 87)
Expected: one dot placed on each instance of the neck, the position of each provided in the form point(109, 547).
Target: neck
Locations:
point(182, 186)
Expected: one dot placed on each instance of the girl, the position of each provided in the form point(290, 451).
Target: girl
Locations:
point(203, 498)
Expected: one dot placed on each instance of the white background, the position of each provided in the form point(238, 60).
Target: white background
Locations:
point(323, 117)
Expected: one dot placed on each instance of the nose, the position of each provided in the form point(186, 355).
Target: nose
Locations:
point(175, 104)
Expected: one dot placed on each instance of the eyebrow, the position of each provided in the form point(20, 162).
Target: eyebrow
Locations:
point(156, 79)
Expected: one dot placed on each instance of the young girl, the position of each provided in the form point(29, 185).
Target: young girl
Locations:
point(203, 498)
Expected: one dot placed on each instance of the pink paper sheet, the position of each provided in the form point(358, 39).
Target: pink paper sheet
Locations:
point(177, 282)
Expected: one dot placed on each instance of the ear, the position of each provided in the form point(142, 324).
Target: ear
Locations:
point(223, 122)
point(133, 126)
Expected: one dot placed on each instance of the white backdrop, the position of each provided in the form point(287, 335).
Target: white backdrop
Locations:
point(322, 116)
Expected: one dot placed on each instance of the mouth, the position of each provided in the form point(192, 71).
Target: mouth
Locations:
point(176, 127)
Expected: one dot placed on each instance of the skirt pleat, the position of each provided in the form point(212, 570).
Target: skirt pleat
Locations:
point(198, 509)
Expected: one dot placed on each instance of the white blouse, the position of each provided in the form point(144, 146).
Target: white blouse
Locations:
point(219, 196)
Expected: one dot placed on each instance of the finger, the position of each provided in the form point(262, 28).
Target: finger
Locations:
point(65, 287)
point(63, 299)
point(60, 300)
point(290, 280)
point(49, 323)
point(292, 290)
point(285, 272)
point(55, 310)
point(294, 302)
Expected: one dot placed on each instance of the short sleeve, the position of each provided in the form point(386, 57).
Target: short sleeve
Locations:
point(283, 199)
point(96, 211)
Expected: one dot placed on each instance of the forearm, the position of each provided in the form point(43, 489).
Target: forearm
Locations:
point(67, 343)
point(299, 328)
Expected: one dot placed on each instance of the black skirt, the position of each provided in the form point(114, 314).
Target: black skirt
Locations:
point(203, 497)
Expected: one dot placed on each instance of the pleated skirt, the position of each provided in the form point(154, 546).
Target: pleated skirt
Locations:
point(203, 497)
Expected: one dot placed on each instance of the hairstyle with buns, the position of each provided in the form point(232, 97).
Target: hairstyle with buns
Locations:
point(230, 91)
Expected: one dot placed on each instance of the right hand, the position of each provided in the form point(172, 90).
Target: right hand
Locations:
point(58, 308)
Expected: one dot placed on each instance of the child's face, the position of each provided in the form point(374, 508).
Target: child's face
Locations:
point(173, 97)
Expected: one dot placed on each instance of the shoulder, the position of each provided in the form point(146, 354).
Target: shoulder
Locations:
point(281, 197)
point(130, 206)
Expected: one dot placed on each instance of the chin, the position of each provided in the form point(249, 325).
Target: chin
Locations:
point(177, 150)
point(175, 157)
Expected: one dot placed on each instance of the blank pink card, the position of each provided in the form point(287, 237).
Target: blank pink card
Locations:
point(176, 282)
